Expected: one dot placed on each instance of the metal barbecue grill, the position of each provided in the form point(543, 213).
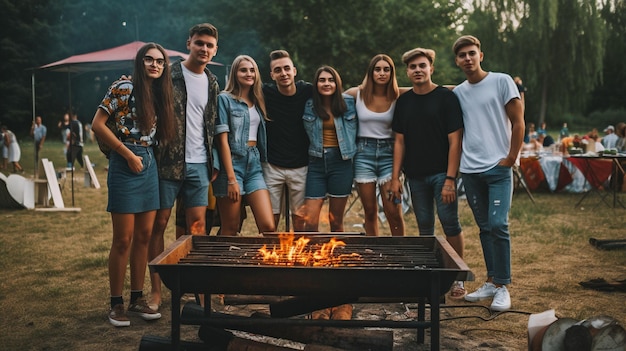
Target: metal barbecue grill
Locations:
point(392, 268)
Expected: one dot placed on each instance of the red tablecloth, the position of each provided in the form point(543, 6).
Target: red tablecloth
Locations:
point(596, 170)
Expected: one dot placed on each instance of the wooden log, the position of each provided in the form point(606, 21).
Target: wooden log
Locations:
point(299, 305)
point(218, 338)
point(241, 344)
point(224, 340)
point(343, 338)
point(159, 343)
point(347, 338)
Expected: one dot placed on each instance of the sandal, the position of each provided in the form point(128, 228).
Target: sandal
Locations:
point(457, 291)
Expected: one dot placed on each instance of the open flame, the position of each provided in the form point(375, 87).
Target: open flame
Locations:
point(293, 252)
point(197, 228)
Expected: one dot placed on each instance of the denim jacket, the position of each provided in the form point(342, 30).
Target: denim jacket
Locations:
point(345, 125)
point(234, 119)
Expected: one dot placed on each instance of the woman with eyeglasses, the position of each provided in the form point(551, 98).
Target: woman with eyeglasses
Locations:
point(241, 141)
point(331, 124)
point(132, 118)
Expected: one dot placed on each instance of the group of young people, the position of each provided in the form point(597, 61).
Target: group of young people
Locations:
point(172, 133)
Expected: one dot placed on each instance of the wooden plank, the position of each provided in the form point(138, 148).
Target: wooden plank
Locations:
point(53, 184)
point(92, 174)
point(53, 209)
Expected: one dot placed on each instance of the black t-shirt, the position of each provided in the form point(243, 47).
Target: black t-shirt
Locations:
point(287, 141)
point(426, 120)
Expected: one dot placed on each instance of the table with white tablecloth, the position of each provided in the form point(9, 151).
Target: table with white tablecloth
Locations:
point(556, 171)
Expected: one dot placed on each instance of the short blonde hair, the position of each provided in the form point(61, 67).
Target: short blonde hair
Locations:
point(413, 53)
point(464, 41)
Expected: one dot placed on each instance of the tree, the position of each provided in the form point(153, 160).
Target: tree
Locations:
point(346, 34)
point(557, 46)
point(610, 95)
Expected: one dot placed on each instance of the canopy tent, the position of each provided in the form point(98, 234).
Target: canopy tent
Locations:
point(120, 57)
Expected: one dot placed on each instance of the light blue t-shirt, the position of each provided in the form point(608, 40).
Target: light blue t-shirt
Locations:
point(487, 133)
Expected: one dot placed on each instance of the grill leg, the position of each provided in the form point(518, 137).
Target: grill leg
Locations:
point(176, 295)
point(421, 317)
point(434, 311)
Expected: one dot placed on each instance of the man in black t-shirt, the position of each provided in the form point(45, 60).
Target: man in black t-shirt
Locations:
point(428, 123)
point(287, 141)
point(75, 151)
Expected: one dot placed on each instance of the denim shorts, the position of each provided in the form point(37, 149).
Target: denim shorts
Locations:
point(193, 189)
point(425, 194)
point(248, 172)
point(329, 175)
point(373, 161)
point(131, 192)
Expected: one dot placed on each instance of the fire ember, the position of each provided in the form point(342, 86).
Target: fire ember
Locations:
point(293, 252)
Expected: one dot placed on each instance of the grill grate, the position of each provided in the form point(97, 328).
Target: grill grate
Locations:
point(370, 256)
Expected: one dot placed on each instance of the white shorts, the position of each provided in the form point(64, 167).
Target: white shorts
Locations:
point(276, 178)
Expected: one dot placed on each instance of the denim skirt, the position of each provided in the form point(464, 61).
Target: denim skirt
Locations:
point(131, 192)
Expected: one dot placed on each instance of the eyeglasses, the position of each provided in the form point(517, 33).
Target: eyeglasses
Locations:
point(149, 60)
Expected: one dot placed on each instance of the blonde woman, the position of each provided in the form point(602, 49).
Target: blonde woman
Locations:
point(240, 136)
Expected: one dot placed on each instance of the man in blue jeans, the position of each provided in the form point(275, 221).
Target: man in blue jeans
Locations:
point(493, 118)
point(428, 123)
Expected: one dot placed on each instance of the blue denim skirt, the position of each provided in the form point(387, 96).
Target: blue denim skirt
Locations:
point(131, 192)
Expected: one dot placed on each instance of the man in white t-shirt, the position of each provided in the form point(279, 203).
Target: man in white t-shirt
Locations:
point(493, 117)
point(186, 163)
point(610, 140)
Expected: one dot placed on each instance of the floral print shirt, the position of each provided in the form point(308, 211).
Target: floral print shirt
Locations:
point(119, 102)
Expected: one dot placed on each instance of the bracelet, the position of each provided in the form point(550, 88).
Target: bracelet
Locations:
point(118, 146)
point(448, 188)
point(232, 183)
point(451, 178)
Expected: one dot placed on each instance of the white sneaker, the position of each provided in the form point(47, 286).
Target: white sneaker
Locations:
point(488, 290)
point(501, 300)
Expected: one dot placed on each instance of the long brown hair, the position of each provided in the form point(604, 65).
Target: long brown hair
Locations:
point(367, 86)
point(233, 87)
point(337, 104)
point(154, 98)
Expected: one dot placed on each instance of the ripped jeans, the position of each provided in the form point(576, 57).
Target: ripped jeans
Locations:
point(489, 196)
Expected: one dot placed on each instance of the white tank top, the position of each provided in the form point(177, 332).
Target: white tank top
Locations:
point(375, 125)
point(255, 120)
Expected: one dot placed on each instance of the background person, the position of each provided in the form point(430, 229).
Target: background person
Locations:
point(330, 122)
point(610, 139)
point(620, 130)
point(241, 140)
point(287, 141)
point(186, 162)
point(64, 128)
point(5, 151)
point(144, 113)
point(493, 119)
point(38, 131)
point(429, 117)
point(375, 102)
point(14, 153)
point(564, 132)
point(75, 150)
